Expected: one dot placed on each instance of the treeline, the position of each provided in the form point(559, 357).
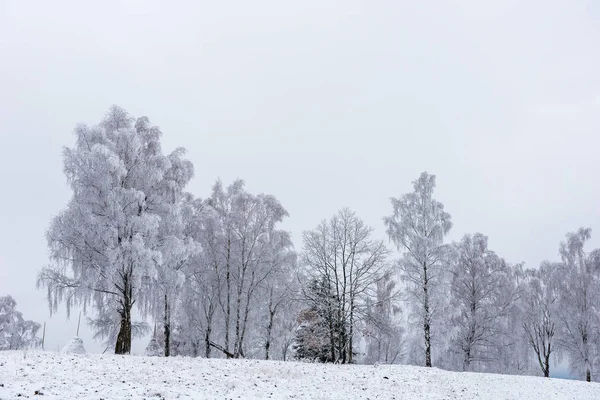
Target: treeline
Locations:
point(218, 277)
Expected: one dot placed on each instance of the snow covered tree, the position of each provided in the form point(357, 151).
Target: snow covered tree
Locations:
point(203, 286)
point(200, 312)
point(383, 331)
point(578, 277)
point(279, 292)
point(539, 303)
point(286, 326)
point(243, 248)
point(105, 245)
point(188, 326)
point(176, 245)
point(15, 332)
point(341, 255)
point(483, 293)
point(417, 227)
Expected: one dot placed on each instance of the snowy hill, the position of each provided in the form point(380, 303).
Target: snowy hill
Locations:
point(93, 376)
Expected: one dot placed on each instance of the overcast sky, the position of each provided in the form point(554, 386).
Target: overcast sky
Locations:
point(323, 104)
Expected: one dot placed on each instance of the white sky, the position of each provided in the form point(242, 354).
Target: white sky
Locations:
point(324, 104)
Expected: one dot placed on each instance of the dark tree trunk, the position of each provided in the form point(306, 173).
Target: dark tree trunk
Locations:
point(167, 327)
point(331, 337)
point(547, 365)
point(245, 321)
point(223, 349)
point(472, 331)
point(208, 331)
point(467, 360)
point(351, 327)
point(228, 281)
point(426, 319)
point(588, 372)
point(237, 344)
point(269, 330)
point(342, 345)
point(123, 345)
point(207, 342)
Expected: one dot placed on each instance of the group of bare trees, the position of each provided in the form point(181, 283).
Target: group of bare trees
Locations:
point(342, 265)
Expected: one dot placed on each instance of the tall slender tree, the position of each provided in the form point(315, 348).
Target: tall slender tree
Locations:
point(384, 328)
point(417, 227)
point(483, 293)
point(539, 301)
point(177, 247)
point(579, 303)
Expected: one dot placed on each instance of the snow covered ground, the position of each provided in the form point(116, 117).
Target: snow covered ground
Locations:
point(94, 376)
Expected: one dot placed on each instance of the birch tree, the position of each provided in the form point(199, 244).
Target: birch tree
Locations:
point(483, 293)
point(176, 246)
point(417, 227)
point(245, 248)
point(540, 312)
point(104, 245)
point(579, 303)
point(278, 292)
point(384, 330)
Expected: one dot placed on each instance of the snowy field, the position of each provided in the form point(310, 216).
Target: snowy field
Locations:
point(57, 376)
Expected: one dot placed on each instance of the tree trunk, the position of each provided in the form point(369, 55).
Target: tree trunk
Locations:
point(123, 345)
point(284, 350)
point(237, 344)
point(208, 331)
point(269, 330)
point(221, 348)
point(331, 336)
point(426, 318)
point(351, 327)
point(194, 349)
point(245, 320)
point(207, 341)
point(167, 328)
point(228, 281)
point(547, 365)
point(342, 339)
point(472, 331)
point(588, 370)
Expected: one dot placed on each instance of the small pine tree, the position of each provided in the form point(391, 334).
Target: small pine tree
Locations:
point(318, 335)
